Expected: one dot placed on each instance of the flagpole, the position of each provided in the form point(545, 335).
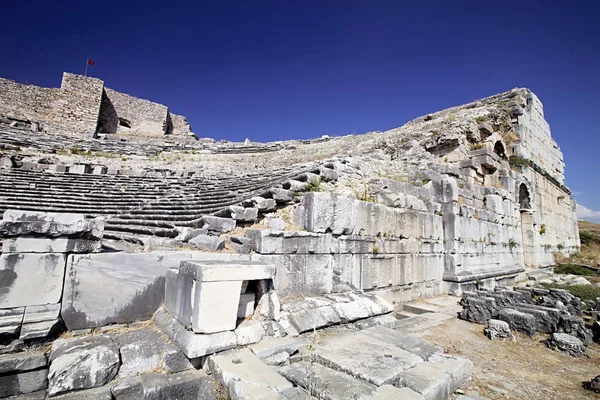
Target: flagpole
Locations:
point(86, 66)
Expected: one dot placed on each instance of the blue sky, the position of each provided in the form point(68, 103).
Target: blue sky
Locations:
point(272, 70)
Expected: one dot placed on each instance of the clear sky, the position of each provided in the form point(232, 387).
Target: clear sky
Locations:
point(272, 70)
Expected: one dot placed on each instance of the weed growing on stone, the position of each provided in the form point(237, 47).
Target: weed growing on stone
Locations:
point(573, 269)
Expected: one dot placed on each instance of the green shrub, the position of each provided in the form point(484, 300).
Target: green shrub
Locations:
point(588, 238)
point(516, 161)
point(480, 119)
point(542, 229)
point(476, 146)
point(314, 185)
point(584, 292)
point(573, 269)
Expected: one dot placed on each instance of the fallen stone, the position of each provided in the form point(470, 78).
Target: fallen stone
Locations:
point(23, 382)
point(174, 360)
point(240, 244)
point(31, 279)
point(249, 391)
point(519, 320)
point(270, 346)
point(458, 368)
point(141, 351)
point(567, 343)
point(208, 243)
point(595, 384)
point(190, 384)
point(249, 332)
point(38, 395)
point(326, 383)
point(277, 359)
point(185, 233)
point(387, 321)
point(40, 321)
point(497, 329)
point(243, 365)
point(82, 363)
point(244, 214)
point(429, 381)
point(23, 223)
point(218, 224)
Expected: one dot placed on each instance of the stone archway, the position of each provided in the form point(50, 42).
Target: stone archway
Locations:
point(500, 150)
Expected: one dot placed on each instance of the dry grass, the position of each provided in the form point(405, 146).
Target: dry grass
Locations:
point(524, 369)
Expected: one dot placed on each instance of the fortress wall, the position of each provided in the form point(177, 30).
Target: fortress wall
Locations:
point(145, 117)
point(78, 104)
point(180, 125)
point(27, 102)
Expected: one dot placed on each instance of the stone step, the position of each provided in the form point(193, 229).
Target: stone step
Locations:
point(402, 314)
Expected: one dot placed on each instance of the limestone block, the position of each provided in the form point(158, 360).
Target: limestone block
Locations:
point(346, 272)
point(268, 307)
point(23, 382)
point(261, 204)
point(31, 279)
point(100, 393)
point(242, 365)
point(244, 214)
point(214, 271)
point(270, 346)
point(327, 211)
point(208, 243)
point(193, 345)
point(20, 362)
point(21, 223)
point(11, 320)
point(174, 360)
point(108, 288)
point(215, 306)
point(411, 343)
point(429, 381)
point(179, 291)
point(326, 383)
point(39, 321)
point(218, 224)
point(249, 332)
point(82, 363)
point(246, 306)
point(318, 274)
point(43, 245)
point(312, 318)
point(377, 270)
point(246, 391)
point(281, 195)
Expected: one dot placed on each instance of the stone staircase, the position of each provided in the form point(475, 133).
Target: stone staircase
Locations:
point(425, 313)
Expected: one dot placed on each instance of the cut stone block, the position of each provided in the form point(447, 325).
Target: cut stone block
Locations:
point(407, 342)
point(21, 362)
point(312, 318)
point(22, 223)
point(208, 243)
point(182, 385)
point(11, 320)
point(388, 392)
point(218, 224)
point(497, 329)
point(249, 332)
point(244, 214)
point(23, 382)
point(100, 393)
point(193, 345)
point(248, 391)
point(174, 360)
point(243, 365)
point(215, 306)
point(212, 271)
point(458, 368)
point(431, 382)
point(39, 321)
point(82, 363)
point(246, 306)
point(326, 383)
point(141, 351)
point(380, 363)
point(519, 320)
point(31, 279)
point(270, 346)
point(45, 245)
point(566, 342)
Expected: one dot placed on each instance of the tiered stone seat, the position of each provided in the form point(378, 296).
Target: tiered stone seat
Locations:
point(137, 205)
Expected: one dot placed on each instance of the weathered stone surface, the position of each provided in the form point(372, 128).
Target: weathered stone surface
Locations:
point(38, 395)
point(387, 320)
point(11, 320)
point(20, 362)
point(380, 363)
point(218, 224)
point(246, 306)
point(45, 245)
point(23, 382)
point(239, 390)
point(218, 271)
point(174, 360)
point(429, 381)
point(141, 351)
point(388, 392)
point(595, 383)
point(215, 306)
point(326, 383)
point(193, 345)
point(458, 368)
point(100, 393)
point(312, 318)
point(182, 385)
point(118, 287)
point(270, 346)
point(575, 326)
point(240, 244)
point(566, 342)
point(269, 307)
point(244, 214)
point(40, 321)
point(22, 223)
point(497, 329)
point(243, 365)
point(249, 332)
point(82, 363)
point(31, 279)
point(477, 309)
point(208, 243)
point(519, 320)
point(404, 341)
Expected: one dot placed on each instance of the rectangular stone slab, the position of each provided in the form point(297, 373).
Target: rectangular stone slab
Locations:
point(215, 306)
point(212, 271)
point(379, 364)
point(31, 279)
point(45, 245)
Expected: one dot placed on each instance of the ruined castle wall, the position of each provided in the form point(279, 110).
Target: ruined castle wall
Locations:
point(27, 102)
point(78, 104)
point(180, 125)
point(143, 116)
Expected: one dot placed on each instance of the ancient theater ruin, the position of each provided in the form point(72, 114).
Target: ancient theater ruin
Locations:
point(139, 262)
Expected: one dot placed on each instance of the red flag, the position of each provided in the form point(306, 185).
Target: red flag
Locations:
point(90, 62)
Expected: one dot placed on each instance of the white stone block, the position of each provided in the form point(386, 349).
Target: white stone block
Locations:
point(215, 306)
point(213, 271)
point(246, 306)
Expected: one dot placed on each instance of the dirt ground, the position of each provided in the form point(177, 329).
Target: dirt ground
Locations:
point(524, 369)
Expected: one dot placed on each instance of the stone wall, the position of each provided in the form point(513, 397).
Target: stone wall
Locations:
point(143, 117)
point(78, 104)
point(27, 102)
point(180, 125)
